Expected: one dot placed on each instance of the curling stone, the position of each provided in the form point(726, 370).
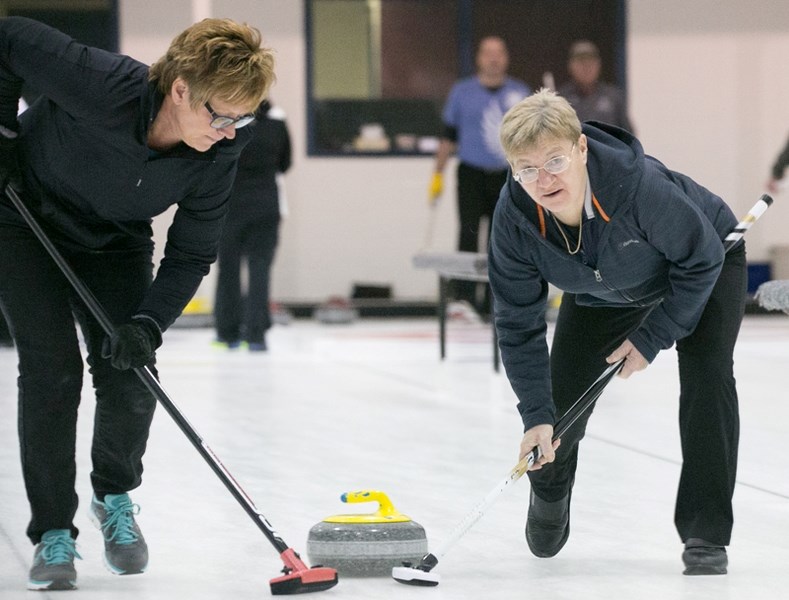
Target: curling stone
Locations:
point(336, 310)
point(366, 545)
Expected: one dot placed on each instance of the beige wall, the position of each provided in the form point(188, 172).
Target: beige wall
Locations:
point(708, 83)
point(342, 66)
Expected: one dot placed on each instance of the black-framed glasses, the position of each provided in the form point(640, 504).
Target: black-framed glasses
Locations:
point(554, 166)
point(222, 121)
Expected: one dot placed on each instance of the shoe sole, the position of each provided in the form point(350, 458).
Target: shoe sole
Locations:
point(704, 570)
point(541, 553)
point(55, 585)
point(116, 571)
point(94, 518)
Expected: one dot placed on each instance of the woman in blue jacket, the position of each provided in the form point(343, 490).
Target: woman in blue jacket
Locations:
point(637, 250)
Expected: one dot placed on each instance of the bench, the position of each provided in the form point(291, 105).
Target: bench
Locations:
point(465, 266)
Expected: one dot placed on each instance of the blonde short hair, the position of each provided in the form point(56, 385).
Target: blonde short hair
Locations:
point(217, 58)
point(541, 116)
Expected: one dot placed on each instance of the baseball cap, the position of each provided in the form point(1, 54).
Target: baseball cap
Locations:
point(584, 48)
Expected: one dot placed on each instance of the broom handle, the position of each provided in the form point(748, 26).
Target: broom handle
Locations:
point(762, 204)
point(147, 377)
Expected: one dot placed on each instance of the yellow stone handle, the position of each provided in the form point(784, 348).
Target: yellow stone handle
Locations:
point(385, 507)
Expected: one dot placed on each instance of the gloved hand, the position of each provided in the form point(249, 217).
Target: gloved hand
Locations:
point(9, 160)
point(436, 187)
point(133, 345)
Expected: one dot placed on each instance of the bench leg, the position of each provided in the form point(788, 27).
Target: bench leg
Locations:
point(443, 294)
point(496, 360)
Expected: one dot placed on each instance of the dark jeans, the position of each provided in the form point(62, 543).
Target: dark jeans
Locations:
point(478, 191)
point(41, 308)
point(708, 406)
point(257, 241)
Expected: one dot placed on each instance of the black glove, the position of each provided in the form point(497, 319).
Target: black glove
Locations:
point(9, 160)
point(133, 345)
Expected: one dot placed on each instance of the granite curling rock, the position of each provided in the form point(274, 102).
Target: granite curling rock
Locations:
point(366, 545)
point(336, 310)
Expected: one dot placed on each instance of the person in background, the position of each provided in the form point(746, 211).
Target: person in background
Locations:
point(472, 115)
point(777, 171)
point(109, 144)
point(251, 231)
point(638, 250)
point(592, 99)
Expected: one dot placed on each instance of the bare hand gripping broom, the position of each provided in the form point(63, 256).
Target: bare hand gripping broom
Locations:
point(297, 578)
point(421, 574)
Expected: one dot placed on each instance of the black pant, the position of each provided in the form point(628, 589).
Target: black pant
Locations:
point(41, 307)
point(478, 191)
point(257, 240)
point(5, 334)
point(708, 406)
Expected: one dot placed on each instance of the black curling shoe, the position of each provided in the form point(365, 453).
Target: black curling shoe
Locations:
point(704, 558)
point(548, 525)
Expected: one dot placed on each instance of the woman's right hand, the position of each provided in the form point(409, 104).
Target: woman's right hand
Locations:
point(539, 436)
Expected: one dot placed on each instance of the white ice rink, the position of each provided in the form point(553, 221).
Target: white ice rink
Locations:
point(332, 409)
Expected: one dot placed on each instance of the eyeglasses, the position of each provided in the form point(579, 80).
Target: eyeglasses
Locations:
point(222, 121)
point(556, 165)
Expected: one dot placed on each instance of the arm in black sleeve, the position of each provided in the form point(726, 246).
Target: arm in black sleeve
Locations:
point(781, 163)
point(520, 295)
point(10, 83)
point(450, 133)
point(285, 156)
point(191, 247)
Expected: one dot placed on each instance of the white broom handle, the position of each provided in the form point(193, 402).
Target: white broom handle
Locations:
point(584, 402)
point(762, 204)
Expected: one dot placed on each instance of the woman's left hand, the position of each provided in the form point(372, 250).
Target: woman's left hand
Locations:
point(634, 361)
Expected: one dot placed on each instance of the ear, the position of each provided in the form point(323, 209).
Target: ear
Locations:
point(179, 91)
point(583, 145)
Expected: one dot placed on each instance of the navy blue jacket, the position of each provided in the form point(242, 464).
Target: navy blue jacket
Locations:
point(89, 176)
point(660, 246)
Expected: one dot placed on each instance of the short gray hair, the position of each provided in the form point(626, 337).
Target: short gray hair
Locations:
point(543, 115)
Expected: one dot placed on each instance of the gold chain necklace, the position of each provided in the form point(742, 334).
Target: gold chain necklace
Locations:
point(566, 241)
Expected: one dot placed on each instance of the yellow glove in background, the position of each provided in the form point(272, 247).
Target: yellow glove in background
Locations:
point(436, 187)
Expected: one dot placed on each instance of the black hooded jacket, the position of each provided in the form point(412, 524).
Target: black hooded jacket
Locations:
point(659, 245)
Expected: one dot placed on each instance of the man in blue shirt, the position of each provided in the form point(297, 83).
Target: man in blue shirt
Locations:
point(472, 115)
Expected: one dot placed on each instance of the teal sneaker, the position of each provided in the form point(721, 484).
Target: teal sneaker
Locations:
point(53, 562)
point(125, 550)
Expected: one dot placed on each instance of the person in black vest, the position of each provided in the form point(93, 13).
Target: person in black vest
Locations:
point(251, 231)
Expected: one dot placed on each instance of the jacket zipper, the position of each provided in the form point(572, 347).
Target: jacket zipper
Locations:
point(142, 173)
point(599, 278)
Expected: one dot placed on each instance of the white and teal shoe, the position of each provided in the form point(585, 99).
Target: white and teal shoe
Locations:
point(125, 550)
point(53, 562)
